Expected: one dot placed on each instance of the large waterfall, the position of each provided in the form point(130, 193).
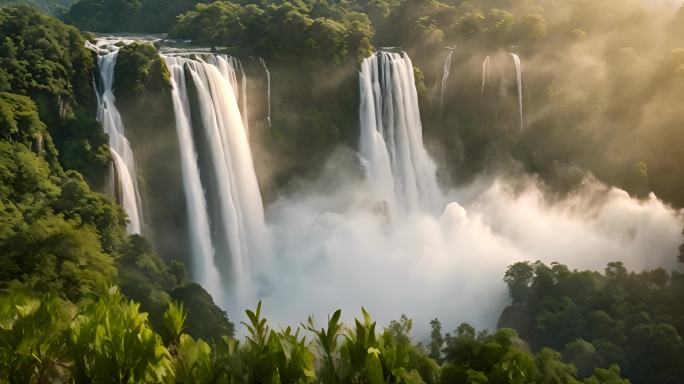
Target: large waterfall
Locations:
point(401, 172)
point(227, 228)
point(120, 148)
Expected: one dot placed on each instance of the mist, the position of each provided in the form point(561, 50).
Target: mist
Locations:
point(601, 91)
point(600, 94)
point(333, 249)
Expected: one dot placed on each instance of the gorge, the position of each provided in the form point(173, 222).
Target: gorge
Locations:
point(385, 210)
point(331, 166)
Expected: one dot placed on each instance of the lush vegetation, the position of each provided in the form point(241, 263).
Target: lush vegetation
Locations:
point(287, 31)
point(47, 61)
point(128, 15)
point(58, 235)
point(621, 126)
point(632, 319)
point(81, 301)
point(110, 341)
point(54, 7)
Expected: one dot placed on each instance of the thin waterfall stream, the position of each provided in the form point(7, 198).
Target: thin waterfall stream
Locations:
point(124, 164)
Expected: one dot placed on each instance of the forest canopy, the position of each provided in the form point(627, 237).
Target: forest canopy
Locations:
point(81, 300)
point(621, 126)
point(59, 236)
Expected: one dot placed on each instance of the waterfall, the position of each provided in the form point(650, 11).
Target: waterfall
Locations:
point(229, 66)
point(268, 89)
point(485, 73)
point(401, 172)
point(227, 227)
point(445, 74)
point(518, 76)
point(243, 94)
point(107, 114)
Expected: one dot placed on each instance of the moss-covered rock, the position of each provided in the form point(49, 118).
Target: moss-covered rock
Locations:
point(139, 70)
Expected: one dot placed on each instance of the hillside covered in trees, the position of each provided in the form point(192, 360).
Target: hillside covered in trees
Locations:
point(83, 301)
point(621, 127)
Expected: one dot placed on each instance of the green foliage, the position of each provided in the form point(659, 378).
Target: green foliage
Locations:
point(610, 375)
point(20, 123)
point(57, 234)
point(32, 345)
point(50, 240)
point(47, 61)
point(615, 129)
point(494, 357)
point(436, 340)
point(504, 358)
point(52, 7)
point(208, 321)
point(280, 32)
point(518, 277)
point(112, 342)
point(140, 69)
point(630, 319)
point(128, 15)
point(327, 343)
point(41, 54)
point(194, 361)
point(174, 323)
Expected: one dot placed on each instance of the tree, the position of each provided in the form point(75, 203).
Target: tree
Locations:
point(519, 277)
point(436, 340)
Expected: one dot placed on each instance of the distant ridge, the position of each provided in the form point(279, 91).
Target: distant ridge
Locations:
point(53, 7)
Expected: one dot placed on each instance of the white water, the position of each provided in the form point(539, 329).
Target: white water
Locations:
point(336, 249)
point(243, 95)
point(203, 269)
point(229, 67)
point(401, 173)
point(120, 148)
point(485, 73)
point(268, 89)
point(445, 74)
point(228, 231)
point(518, 77)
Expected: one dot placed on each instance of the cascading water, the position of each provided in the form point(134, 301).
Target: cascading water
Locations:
point(120, 148)
point(401, 172)
point(518, 76)
point(223, 197)
point(445, 74)
point(229, 66)
point(268, 89)
point(485, 73)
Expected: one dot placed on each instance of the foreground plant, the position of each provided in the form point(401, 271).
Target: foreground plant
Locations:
point(110, 341)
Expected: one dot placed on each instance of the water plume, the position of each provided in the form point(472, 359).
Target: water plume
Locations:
point(337, 247)
point(334, 249)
